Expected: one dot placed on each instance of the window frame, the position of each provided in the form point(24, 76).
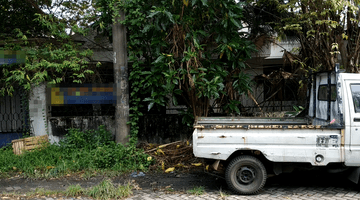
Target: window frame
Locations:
point(356, 109)
point(333, 91)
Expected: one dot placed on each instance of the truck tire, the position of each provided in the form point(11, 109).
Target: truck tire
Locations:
point(245, 175)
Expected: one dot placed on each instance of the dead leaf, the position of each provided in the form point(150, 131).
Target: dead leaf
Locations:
point(179, 165)
point(170, 169)
point(161, 151)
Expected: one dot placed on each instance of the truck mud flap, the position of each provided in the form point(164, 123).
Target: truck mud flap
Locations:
point(354, 175)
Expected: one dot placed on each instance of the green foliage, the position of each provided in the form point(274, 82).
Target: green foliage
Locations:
point(298, 109)
point(199, 190)
point(18, 14)
point(325, 29)
point(107, 190)
point(74, 190)
point(42, 192)
point(182, 49)
point(232, 106)
point(51, 54)
point(88, 150)
point(89, 139)
point(104, 190)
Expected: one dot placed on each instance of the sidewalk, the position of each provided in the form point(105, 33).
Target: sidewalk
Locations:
point(303, 186)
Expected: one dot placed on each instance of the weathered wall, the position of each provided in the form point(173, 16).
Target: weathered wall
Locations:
point(153, 128)
point(37, 110)
point(162, 128)
point(157, 129)
point(58, 126)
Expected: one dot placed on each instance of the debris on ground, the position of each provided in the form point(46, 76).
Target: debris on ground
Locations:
point(173, 156)
point(135, 174)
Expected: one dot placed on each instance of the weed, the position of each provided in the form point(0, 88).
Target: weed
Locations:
point(169, 190)
point(197, 190)
point(74, 190)
point(91, 151)
point(124, 190)
point(88, 174)
point(11, 194)
point(223, 195)
point(106, 190)
point(43, 192)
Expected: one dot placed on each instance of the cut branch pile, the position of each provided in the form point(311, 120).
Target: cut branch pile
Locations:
point(176, 155)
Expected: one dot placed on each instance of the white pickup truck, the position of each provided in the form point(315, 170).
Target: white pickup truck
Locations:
point(251, 148)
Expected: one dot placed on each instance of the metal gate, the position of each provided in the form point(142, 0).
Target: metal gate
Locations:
point(14, 113)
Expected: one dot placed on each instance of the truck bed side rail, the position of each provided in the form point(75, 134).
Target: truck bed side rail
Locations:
point(250, 121)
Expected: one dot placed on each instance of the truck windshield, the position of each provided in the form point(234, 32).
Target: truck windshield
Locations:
point(355, 91)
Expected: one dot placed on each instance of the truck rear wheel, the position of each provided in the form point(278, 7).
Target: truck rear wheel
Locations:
point(245, 175)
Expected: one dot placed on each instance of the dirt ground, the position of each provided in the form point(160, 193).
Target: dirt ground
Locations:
point(151, 180)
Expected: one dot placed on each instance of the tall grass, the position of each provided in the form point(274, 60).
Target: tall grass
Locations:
point(80, 150)
point(106, 190)
point(103, 191)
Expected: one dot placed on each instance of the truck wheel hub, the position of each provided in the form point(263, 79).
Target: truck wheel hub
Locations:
point(246, 175)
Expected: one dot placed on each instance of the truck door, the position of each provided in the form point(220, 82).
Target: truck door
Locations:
point(352, 157)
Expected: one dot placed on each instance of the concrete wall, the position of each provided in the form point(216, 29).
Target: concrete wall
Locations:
point(58, 126)
point(38, 111)
point(42, 123)
point(277, 48)
point(153, 128)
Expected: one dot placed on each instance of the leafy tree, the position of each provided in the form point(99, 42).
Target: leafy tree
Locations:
point(19, 14)
point(325, 29)
point(51, 53)
point(262, 18)
point(190, 49)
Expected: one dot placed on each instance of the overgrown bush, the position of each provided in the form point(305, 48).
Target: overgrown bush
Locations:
point(89, 139)
point(80, 150)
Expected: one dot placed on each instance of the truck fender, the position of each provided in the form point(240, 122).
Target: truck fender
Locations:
point(354, 175)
